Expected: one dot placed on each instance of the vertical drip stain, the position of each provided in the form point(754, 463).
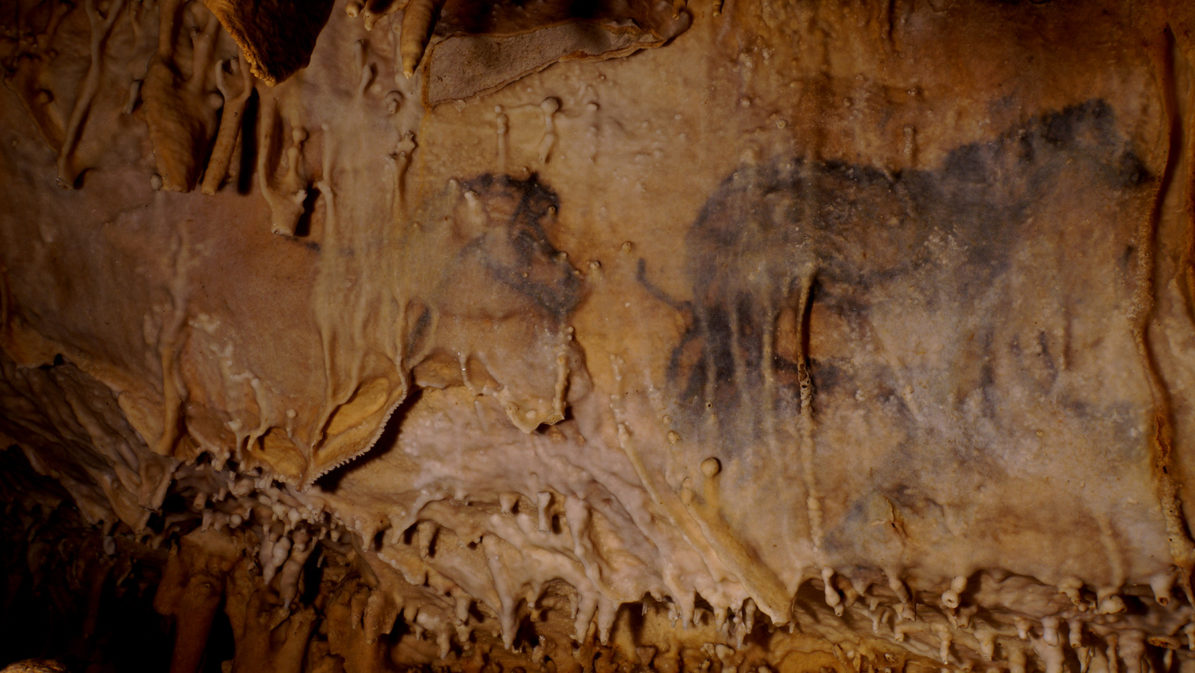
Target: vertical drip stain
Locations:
point(736, 349)
point(805, 419)
point(169, 343)
point(768, 367)
point(1161, 438)
point(1184, 71)
point(710, 388)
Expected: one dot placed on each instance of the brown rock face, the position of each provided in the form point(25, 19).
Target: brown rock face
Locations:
point(597, 336)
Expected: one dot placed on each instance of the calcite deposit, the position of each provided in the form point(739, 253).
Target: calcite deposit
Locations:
point(597, 336)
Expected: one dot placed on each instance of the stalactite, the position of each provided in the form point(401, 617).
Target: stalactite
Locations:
point(230, 125)
point(101, 27)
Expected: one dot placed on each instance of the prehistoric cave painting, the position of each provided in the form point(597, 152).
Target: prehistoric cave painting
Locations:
point(494, 300)
point(885, 263)
point(499, 250)
point(510, 242)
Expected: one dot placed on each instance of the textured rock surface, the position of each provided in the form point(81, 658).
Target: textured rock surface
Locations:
point(686, 337)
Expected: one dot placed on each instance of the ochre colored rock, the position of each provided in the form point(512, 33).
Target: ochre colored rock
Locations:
point(595, 336)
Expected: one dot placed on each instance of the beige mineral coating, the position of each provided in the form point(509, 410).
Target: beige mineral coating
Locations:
point(871, 323)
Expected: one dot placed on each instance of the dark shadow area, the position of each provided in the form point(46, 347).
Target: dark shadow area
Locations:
point(221, 645)
point(386, 443)
point(61, 597)
point(303, 226)
point(249, 149)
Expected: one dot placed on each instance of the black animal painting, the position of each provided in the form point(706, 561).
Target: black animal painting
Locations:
point(777, 239)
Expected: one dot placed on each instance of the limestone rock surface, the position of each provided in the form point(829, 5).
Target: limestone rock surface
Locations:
point(602, 336)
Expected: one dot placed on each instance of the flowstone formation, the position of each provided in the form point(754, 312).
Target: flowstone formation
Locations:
point(606, 336)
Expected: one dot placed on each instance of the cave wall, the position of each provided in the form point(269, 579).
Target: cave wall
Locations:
point(782, 334)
